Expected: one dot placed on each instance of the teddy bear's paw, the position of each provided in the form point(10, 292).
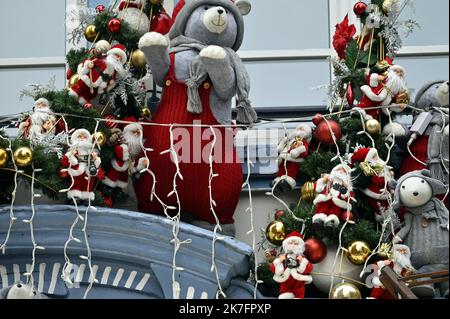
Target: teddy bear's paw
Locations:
point(214, 52)
point(153, 39)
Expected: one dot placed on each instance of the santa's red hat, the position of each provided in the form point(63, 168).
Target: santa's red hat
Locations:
point(131, 124)
point(363, 154)
point(130, 4)
point(295, 235)
point(120, 50)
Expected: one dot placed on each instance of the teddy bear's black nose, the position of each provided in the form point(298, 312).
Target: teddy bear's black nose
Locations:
point(416, 194)
point(220, 11)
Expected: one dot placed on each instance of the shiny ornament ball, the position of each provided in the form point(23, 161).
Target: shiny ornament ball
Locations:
point(100, 138)
point(308, 192)
point(100, 8)
point(387, 6)
point(317, 119)
point(114, 25)
point(146, 113)
point(23, 156)
point(279, 214)
point(350, 95)
point(90, 33)
point(373, 127)
point(385, 251)
point(4, 156)
point(88, 106)
point(360, 8)
point(276, 233)
point(69, 74)
point(323, 134)
point(315, 250)
point(161, 22)
point(358, 252)
point(345, 290)
point(74, 80)
point(138, 59)
point(156, 2)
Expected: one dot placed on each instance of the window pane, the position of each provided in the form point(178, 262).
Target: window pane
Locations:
point(433, 19)
point(287, 25)
point(424, 69)
point(32, 28)
point(12, 81)
point(288, 83)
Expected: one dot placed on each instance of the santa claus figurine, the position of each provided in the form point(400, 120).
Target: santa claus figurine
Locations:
point(400, 263)
point(375, 179)
point(335, 197)
point(126, 153)
point(83, 164)
point(33, 125)
point(292, 150)
point(99, 75)
point(292, 270)
point(384, 90)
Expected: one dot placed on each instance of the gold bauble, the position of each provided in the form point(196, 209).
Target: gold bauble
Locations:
point(90, 33)
point(74, 80)
point(402, 98)
point(387, 5)
point(4, 156)
point(145, 112)
point(385, 251)
point(23, 156)
point(345, 290)
point(138, 59)
point(276, 233)
point(358, 252)
point(373, 127)
point(100, 138)
point(308, 192)
point(156, 1)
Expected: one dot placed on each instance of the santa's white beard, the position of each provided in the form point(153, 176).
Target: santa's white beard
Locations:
point(40, 116)
point(133, 143)
point(402, 260)
point(116, 64)
point(293, 249)
point(395, 83)
point(83, 147)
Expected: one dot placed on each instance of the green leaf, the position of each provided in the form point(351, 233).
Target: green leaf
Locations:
point(351, 54)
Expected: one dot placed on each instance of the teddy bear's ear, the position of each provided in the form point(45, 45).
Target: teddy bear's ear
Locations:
point(244, 6)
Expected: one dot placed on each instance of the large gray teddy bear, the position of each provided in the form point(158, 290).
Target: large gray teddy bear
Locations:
point(426, 227)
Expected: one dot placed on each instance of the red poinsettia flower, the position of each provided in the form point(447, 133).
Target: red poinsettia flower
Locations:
point(344, 34)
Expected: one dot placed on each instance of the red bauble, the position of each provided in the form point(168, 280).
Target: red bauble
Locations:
point(100, 8)
point(161, 23)
point(323, 134)
point(360, 8)
point(88, 106)
point(114, 25)
point(317, 119)
point(69, 74)
point(350, 95)
point(279, 214)
point(315, 250)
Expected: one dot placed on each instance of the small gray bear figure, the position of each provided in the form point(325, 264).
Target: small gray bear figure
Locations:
point(426, 228)
point(21, 291)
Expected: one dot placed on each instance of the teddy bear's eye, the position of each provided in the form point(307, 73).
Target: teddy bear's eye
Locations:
point(206, 8)
point(423, 182)
point(403, 187)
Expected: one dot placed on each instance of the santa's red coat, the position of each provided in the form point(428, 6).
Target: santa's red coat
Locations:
point(292, 285)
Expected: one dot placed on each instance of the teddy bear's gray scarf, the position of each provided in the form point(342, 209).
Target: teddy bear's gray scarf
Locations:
point(434, 209)
point(435, 147)
point(246, 113)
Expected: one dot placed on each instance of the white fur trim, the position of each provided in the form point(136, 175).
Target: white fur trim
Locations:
point(88, 196)
point(333, 218)
point(72, 159)
point(372, 152)
point(394, 128)
point(141, 164)
point(213, 52)
point(108, 182)
point(296, 152)
point(98, 162)
point(118, 51)
point(374, 195)
point(126, 152)
point(377, 282)
point(342, 203)
point(301, 268)
point(122, 185)
point(78, 172)
point(320, 185)
point(374, 80)
point(300, 277)
point(287, 295)
point(74, 194)
point(292, 182)
point(73, 93)
point(321, 217)
point(153, 38)
point(118, 168)
point(367, 90)
point(321, 198)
